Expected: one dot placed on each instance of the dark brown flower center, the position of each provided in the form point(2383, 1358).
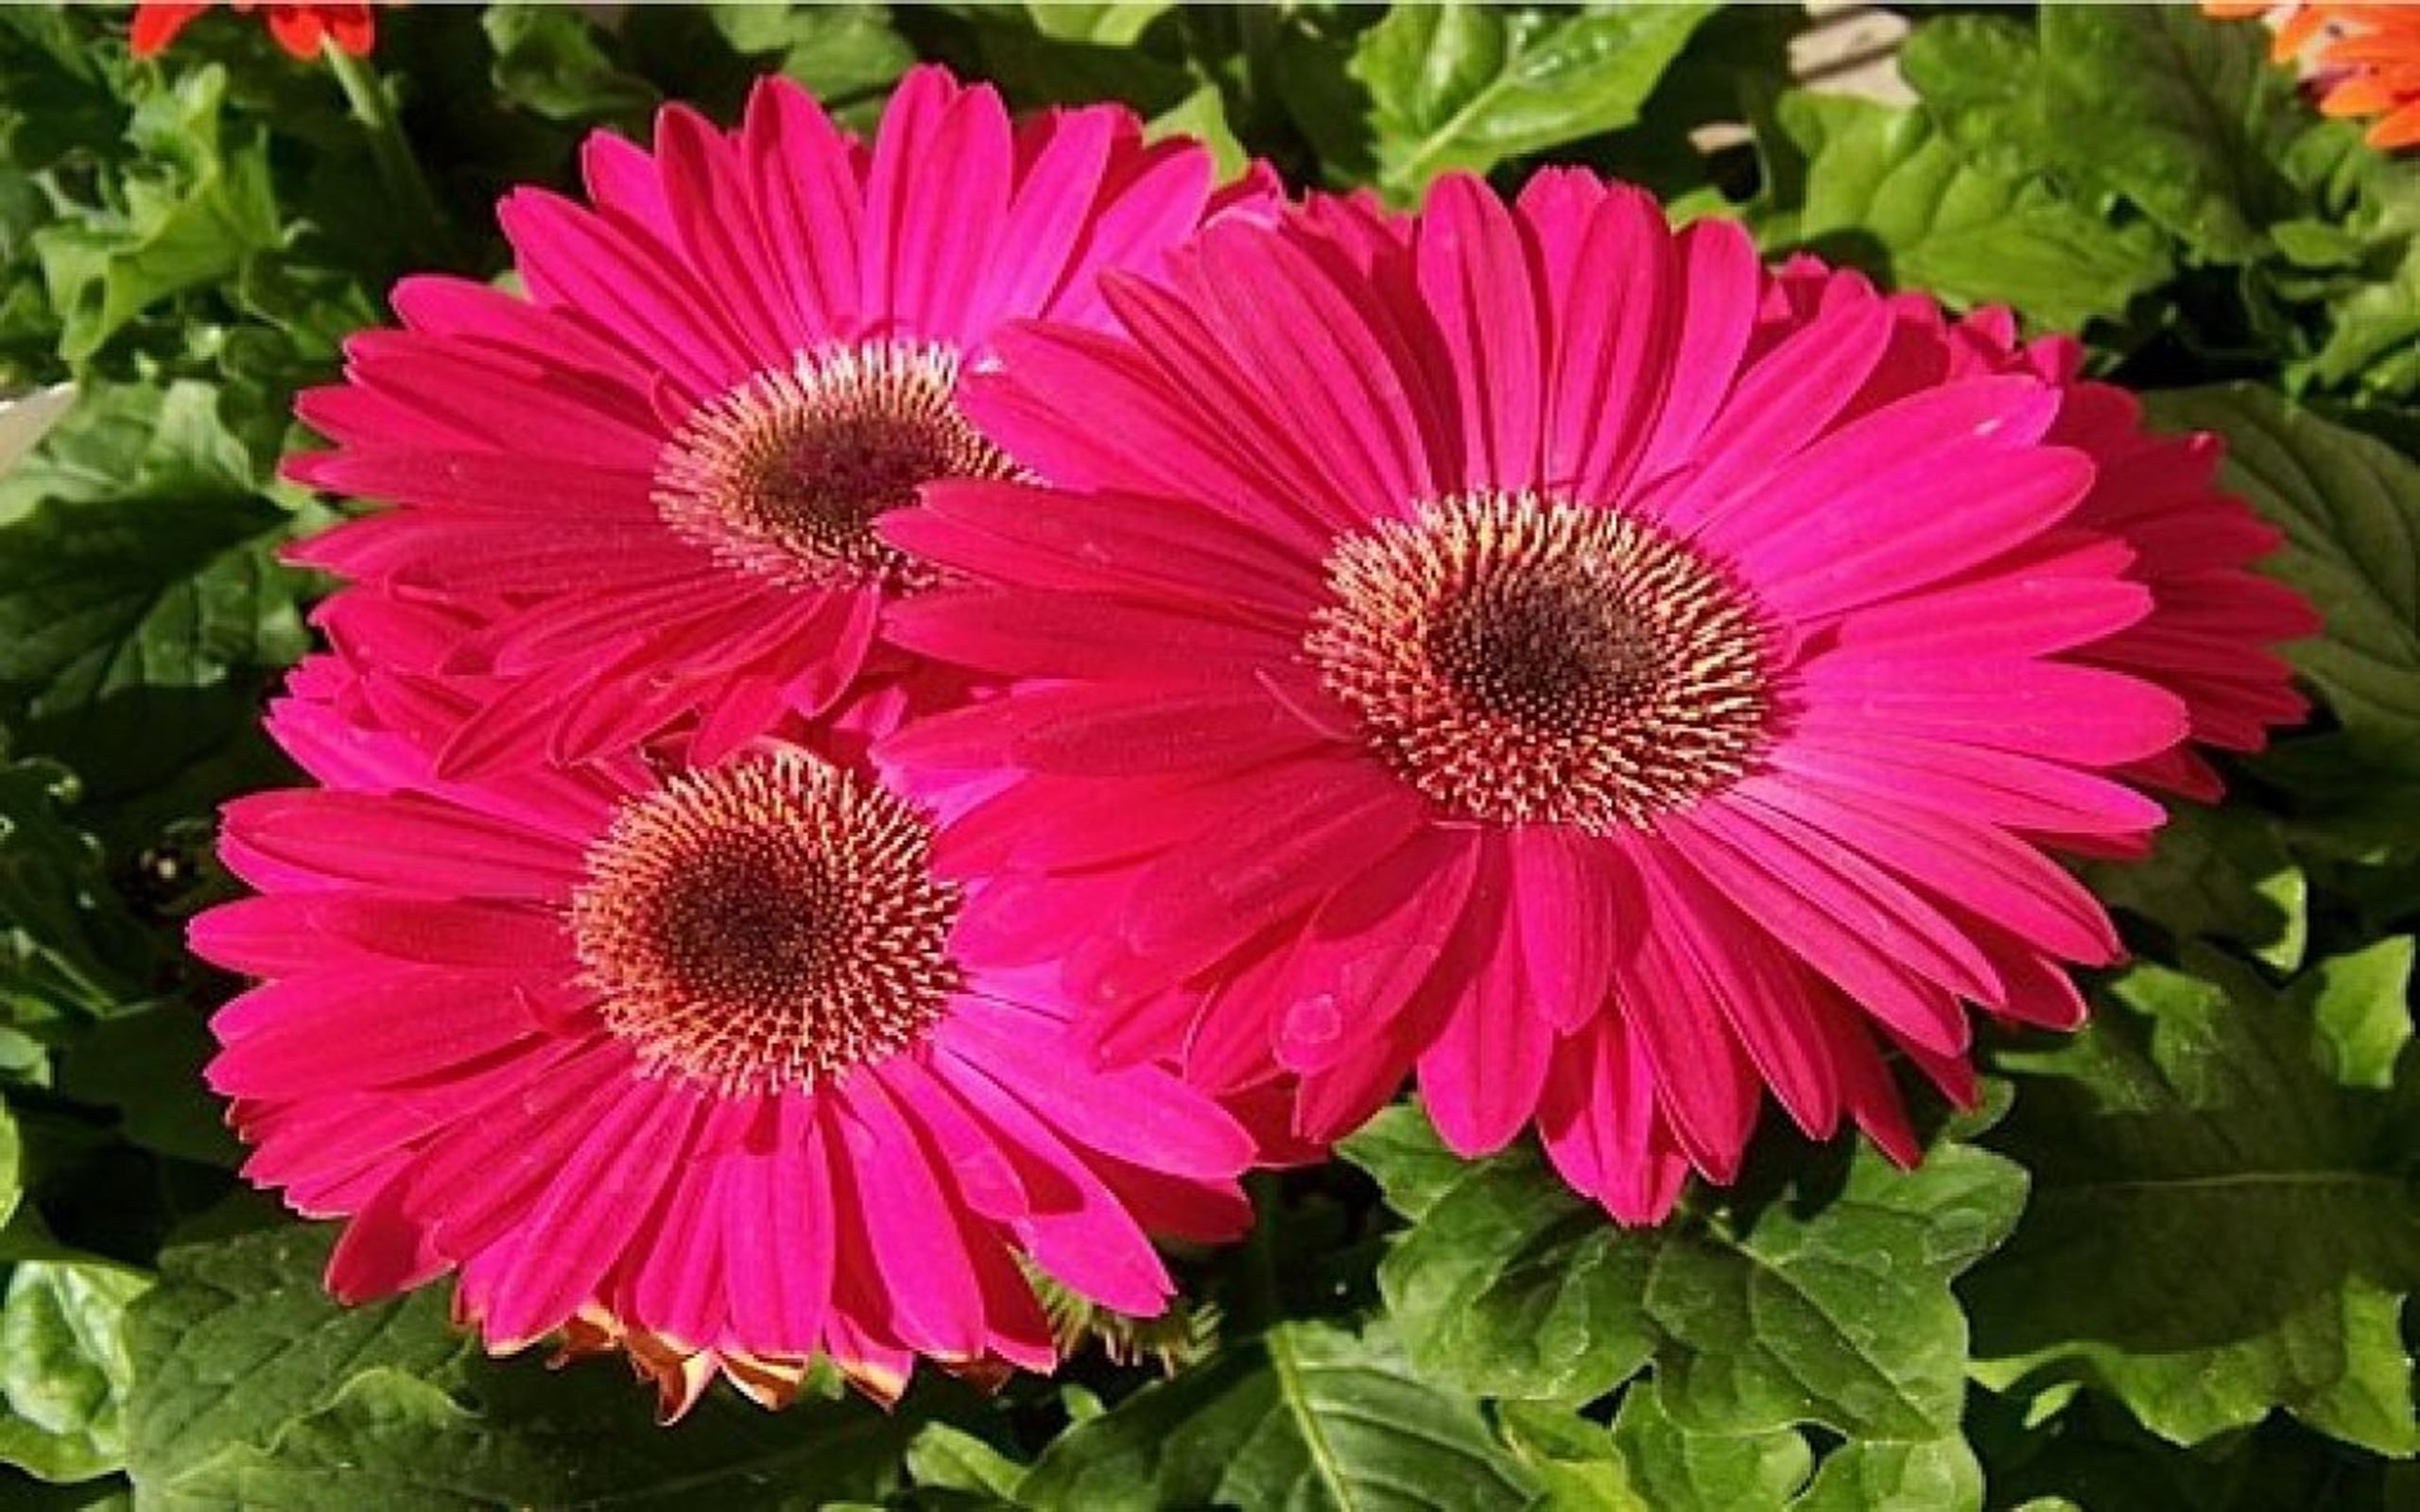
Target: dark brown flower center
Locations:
point(1523, 661)
point(766, 923)
point(786, 474)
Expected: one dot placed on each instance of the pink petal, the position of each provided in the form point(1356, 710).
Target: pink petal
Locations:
point(909, 1224)
point(935, 200)
point(1857, 928)
point(1703, 1079)
point(404, 841)
point(1602, 1129)
point(1482, 1075)
point(286, 933)
point(811, 203)
point(728, 243)
point(2049, 708)
point(1979, 868)
point(1474, 274)
point(1613, 335)
point(1136, 1114)
point(593, 1209)
point(1576, 908)
point(784, 1214)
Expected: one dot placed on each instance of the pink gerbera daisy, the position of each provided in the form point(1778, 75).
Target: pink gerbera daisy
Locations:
point(2212, 616)
point(1536, 646)
point(664, 463)
point(678, 1057)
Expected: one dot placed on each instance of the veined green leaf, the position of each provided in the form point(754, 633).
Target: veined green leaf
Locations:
point(2184, 118)
point(200, 204)
point(1835, 1312)
point(2222, 874)
point(1646, 1462)
point(1461, 85)
point(1308, 1417)
point(69, 948)
point(138, 582)
point(64, 1371)
point(2350, 508)
point(1886, 192)
point(255, 1392)
point(2224, 1221)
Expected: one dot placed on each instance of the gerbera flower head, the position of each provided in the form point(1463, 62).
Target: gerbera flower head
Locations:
point(1539, 647)
point(300, 29)
point(664, 463)
point(675, 1057)
point(2363, 58)
point(2212, 616)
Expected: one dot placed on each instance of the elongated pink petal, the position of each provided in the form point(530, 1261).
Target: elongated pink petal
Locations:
point(1480, 1077)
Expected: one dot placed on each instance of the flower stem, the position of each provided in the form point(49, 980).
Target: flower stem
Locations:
point(398, 168)
point(1258, 1307)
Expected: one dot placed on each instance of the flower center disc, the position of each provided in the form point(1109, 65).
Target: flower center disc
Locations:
point(786, 474)
point(766, 924)
point(1527, 661)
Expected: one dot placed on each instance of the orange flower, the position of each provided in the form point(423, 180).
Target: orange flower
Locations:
point(298, 28)
point(2364, 58)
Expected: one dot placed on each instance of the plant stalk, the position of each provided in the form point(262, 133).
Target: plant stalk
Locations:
point(398, 167)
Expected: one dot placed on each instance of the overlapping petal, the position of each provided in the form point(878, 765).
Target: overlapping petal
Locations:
point(532, 450)
point(1987, 608)
point(426, 1056)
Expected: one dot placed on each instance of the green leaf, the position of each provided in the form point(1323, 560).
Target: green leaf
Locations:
point(1203, 115)
point(1979, 77)
point(1674, 1469)
point(2184, 118)
point(12, 1172)
point(1113, 25)
point(2350, 508)
point(2316, 244)
point(944, 1457)
point(64, 1371)
point(1463, 85)
point(842, 52)
point(849, 55)
point(1306, 1417)
point(126, 440)
point(1574, 1459)
point(142, 586)
point(254, 1392)
point(2367, 236)
point(1311, 72)
point(1831, 1306)
point(1648, 1463)
point(147, 1065)
point(2223, 1220)
point(2220, 873)
point(69, 947)
point(2092, 1457)
point(196, 206)
point(1936, 1475)
point(2376, 322)
point(1885, 191)
point(1401, 1149)
point(548, 59)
